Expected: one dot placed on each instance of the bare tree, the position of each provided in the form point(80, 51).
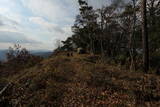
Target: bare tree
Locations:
point(132, 36)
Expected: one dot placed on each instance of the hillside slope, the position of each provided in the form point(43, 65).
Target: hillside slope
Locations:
point(82, 81)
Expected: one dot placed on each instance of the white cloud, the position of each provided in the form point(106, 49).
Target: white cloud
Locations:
point(9, 25)
point(3, 10)
point(55, 31)
point(45, 24)
point(39, 20)
point(28, 46)
point(59, 10)
point(54, 10)
point(12, 32)
point(55, 17)
point(15, 37)
point(10, 9)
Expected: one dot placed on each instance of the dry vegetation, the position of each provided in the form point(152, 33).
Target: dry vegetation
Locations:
point(82, 81)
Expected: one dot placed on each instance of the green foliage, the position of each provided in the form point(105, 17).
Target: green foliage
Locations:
point(121, 59)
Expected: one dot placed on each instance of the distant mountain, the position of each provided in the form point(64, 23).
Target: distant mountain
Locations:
point(41, 53)
point(3, 55)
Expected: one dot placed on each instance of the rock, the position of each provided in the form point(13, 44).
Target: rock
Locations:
point(80, 51)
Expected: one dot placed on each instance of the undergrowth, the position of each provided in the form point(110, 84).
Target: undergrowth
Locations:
point(83, 81)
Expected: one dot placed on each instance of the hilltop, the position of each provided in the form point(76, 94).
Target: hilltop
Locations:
point(82, 80)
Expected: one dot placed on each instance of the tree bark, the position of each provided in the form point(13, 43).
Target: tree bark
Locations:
point(145, 37)
point(101, 35)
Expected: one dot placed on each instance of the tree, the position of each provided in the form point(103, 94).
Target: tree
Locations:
point(145, 37)
point(67, 45)
point(153, 8)
point(85, 27)
point(117, 30)
point(18, 58)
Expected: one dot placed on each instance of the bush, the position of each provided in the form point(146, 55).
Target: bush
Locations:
point(19, 58)
point(121, 59)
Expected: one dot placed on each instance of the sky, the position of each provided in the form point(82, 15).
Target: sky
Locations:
point(38, 24)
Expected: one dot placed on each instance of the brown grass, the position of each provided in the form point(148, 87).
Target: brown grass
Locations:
point(83, 80)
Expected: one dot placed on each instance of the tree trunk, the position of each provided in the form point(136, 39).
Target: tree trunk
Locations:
point(132, 38)
point(101, 35)
point(145, 37)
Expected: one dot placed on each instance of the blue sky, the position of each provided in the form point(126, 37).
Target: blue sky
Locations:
point(37, 24)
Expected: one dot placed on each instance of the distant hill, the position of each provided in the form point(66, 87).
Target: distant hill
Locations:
point(41, 53)
point(3, 55)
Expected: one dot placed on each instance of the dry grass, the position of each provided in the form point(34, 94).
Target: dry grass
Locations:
point(83, 80)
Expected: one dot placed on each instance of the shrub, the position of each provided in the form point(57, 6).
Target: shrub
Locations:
point(19, 58)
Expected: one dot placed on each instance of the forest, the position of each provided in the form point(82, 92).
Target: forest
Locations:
point(125, 32)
